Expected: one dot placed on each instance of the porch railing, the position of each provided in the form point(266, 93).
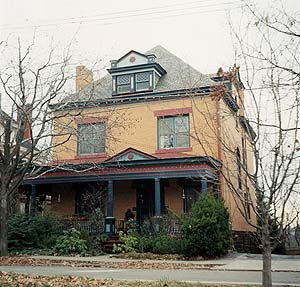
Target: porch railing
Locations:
point(82, 224)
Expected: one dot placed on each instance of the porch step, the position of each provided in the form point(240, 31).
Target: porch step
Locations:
point(109, 244)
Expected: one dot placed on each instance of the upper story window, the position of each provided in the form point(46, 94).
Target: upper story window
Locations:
point(173, 132)
point(124, 84)
point(91, 138)
point(142, 81)
point(133, 82)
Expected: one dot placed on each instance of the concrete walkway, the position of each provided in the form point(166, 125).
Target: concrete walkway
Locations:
point(234, 261)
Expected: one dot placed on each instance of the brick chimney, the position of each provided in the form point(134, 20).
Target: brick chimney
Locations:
point(28, 111)
point(84, 77)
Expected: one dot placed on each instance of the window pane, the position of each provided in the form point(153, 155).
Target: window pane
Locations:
point(166, 126)
point(167, 141)
point(124, 79)
point(182, 124)
point(182, 140)
point(124, 88)
point(142, 77)
point(99, 138)
point(142, 86)
point(166, 133)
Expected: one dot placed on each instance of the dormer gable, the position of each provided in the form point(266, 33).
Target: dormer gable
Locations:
point(135, 72)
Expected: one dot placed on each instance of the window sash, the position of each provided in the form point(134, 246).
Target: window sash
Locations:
point(173, 132)
point(123, 88)
point(91, 138)
point(142, 81)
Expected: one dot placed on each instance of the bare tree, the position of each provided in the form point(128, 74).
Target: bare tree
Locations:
point(29, 88)
point(267, 115)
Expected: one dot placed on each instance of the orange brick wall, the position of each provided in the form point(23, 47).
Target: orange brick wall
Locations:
point(124, 198)
point(66, 206)
point(173, 197)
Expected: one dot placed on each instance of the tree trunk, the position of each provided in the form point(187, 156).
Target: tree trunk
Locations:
point(3, 226)
point(266, 242)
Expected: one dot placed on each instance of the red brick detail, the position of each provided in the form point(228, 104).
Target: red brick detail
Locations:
point(90, 120)
point(173, 112)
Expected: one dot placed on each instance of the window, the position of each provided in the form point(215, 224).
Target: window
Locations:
point(91, 138)
point(133, 82)
point(124, 83)
point(142, 81)
point(239, 168)
point(173, 132)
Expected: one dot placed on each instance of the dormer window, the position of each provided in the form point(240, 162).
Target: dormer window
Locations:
point(142, 81)
point(135, 72)
point(124, 84)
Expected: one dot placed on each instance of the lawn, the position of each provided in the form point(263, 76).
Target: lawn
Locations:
point(18, 280)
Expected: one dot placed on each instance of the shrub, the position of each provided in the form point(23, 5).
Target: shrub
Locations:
point(129, 243)
point(96, 244)
point(165, 244)
point(71, 242)
point(206, 232)
point(145, 244)
point(32, 232)
point(45, 230)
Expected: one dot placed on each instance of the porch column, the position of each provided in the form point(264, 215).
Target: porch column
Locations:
point(157, 197)
point(110, 198)
point(33, 200)
point(109, 219)
point(204, 185)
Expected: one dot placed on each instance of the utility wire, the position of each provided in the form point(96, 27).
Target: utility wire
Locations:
point(127, 11)
point(104, 16)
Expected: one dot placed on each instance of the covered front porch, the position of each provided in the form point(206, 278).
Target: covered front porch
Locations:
point(146, 187)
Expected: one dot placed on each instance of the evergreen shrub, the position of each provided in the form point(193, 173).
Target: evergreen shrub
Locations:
point(206, 232)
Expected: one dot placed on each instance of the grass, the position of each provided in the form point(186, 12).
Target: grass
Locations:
point(20, 280)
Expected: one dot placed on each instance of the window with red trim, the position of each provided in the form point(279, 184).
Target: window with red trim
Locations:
point(91, 138)
point(173, 132)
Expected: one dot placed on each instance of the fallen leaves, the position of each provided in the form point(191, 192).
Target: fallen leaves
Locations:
point(129, 264)
point(20, 280)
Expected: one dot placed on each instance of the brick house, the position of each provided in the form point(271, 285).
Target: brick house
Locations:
point(150, 135)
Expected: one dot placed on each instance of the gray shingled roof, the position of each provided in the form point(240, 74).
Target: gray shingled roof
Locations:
point(179, 76)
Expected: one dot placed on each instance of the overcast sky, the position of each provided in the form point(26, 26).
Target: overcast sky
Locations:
point(196, 31)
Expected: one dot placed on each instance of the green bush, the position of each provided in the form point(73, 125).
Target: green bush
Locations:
point(71, 242)
point(129, 243)
point(206, 232)
point(145, 244)
point(165, 244)
point(97, 243)
point(38, 232)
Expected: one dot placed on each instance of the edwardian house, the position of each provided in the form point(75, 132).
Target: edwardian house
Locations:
point(151, 135)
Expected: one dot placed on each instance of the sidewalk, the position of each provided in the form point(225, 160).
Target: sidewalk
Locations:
point(234, 261)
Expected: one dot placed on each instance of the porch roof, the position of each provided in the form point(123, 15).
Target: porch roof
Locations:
point(188, 167)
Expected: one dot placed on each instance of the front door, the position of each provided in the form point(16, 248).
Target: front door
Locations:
point(145, 200)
